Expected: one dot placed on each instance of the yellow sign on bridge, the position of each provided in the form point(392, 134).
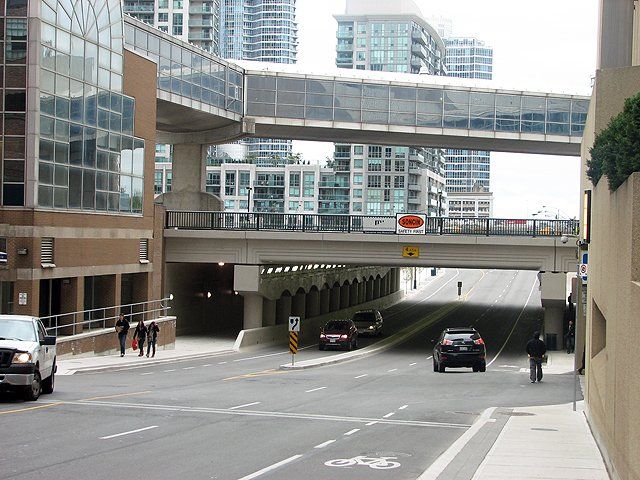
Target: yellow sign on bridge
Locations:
point(410, 251)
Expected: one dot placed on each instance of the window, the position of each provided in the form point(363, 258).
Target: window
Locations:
point(374, 181)
point(163, 17)
point(308, 206)
point(309, 183)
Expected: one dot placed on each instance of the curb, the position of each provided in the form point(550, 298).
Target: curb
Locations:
point(160, 361)
point(381, 346)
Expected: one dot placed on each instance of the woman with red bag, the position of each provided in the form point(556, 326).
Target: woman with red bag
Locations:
point(140, 334)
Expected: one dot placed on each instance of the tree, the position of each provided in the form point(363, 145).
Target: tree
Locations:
point(616, 149)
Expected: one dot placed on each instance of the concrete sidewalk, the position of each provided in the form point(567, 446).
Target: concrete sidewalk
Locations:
point(185, 347)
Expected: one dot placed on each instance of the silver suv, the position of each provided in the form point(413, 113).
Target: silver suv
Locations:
point(27, 356)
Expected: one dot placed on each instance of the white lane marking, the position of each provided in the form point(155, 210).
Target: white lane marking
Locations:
point(314, 389)
point(389, 415)
point(514, 323)
point(403, 407)
point(221, 363)
point(414, 363)
point(129, 432)
point(245, 405)
point(370, 423)
point(363, 375)
point(272, 467)
point(429, 357)
point(148, 373)
point(206, 365)
point(170, 370)
point(437, 467)
point(328, 442)
point(351, 432)
point(392, 370)
point(188, 368)
point(271, 354)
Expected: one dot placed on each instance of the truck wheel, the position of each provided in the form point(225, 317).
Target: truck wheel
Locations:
point(32, 392)
point(49, 383)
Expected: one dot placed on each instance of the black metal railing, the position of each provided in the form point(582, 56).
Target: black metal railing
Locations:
point(302, 222)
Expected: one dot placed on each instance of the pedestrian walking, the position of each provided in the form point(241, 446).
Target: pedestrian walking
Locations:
point(140, 333)
point(571, 337)
point(152, 337)
point(122, 328)
point(536, 350)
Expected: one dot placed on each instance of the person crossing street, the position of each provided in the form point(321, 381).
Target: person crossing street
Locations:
point(536, 349)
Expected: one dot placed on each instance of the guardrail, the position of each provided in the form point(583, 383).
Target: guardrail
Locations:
point(97, 318)
point(296, 222)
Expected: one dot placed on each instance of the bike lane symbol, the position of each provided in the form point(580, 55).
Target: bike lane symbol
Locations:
point(377, 463)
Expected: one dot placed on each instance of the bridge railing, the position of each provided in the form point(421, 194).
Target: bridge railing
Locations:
point(300, 222)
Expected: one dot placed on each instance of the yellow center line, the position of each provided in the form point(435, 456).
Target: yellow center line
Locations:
point(466, 297)
point(38, 407)
point(114, 396)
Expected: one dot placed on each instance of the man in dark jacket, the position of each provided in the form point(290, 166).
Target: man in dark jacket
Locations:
point(536, 350)
point(122, 328)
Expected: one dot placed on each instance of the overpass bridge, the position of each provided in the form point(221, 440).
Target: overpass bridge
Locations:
point(225, 101)
point(267, 238)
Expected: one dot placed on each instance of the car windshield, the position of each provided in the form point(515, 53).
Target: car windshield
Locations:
point(366, 317)
point(462, 336)
point(337, 325)
point(17, 330)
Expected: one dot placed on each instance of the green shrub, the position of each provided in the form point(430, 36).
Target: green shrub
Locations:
point(616, 150)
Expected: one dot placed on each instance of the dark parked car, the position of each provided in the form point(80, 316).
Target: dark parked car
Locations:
point(339, 333)
point(459, 347)
point(368, 322)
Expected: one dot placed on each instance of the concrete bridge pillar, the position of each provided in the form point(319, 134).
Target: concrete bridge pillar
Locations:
point(312, 308)
point(376, 288)
point(325, 306)
point(283, 309)
point(615, 45)
point(386, 282)
point(334, 298)
point(362, 291)
point(554, 300)
point(369, 290)
point(353, 294)
point(252, 311)
point(397, 279)
point(344, 296)
point(269, 312)
point(298, 304)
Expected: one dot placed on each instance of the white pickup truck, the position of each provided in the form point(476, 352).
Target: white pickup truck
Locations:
point(27, 356)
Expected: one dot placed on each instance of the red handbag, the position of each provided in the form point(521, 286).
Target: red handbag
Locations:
point(134, 344)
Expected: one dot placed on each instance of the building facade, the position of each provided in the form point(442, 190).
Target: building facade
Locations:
point(77, 220)
point(393, 38)
point(468, 172)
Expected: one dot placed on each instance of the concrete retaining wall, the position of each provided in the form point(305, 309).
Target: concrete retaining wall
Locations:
point(310, 327)
point(105, 341)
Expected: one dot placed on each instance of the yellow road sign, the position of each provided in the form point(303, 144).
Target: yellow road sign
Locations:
point(293, 342)
point(410, 251)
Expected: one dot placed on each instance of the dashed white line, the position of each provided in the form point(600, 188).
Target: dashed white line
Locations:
point(393, 370)
point(188, 368)
point(322, 445)
point(206, 365)
point(412, 364)
point(272, 467)
point(245, 405)
point(314, 389)
point(363, 375)
point(429, 357)
point(148, 373)
point(403, 407)
point(221, 363)
point(369, 424)
point(389, 415)
point(351, 432)
point(128, 433)
point(170, 370)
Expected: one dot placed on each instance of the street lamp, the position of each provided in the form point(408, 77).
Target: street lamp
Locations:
point(248, 199)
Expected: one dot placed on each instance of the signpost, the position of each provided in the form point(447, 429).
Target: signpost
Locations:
point(294, 331)
point(583, 267)
point(459, 290)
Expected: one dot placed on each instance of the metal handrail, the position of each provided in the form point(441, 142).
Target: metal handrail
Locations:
point(52, 322)
point(303, 222)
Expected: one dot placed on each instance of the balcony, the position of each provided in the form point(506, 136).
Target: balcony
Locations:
point(202, 9)
point(144, 8)
point(414, 187)
point(201, 36)
point(268, 183)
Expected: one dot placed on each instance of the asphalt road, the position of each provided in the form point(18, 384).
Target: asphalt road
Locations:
point(238, 416)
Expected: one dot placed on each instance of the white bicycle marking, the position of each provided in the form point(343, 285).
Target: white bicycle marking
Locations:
point(377, 463)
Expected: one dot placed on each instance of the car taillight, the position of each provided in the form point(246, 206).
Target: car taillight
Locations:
point(447, 342)
point(343, 337)
point(479, 341)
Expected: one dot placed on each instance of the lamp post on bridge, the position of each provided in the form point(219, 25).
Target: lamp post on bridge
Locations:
point(248, 199)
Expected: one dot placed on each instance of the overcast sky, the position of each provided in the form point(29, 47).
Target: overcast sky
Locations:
point(545, 45)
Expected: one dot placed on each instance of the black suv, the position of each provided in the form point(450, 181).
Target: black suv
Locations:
point(459, 347)
point(368, 322)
